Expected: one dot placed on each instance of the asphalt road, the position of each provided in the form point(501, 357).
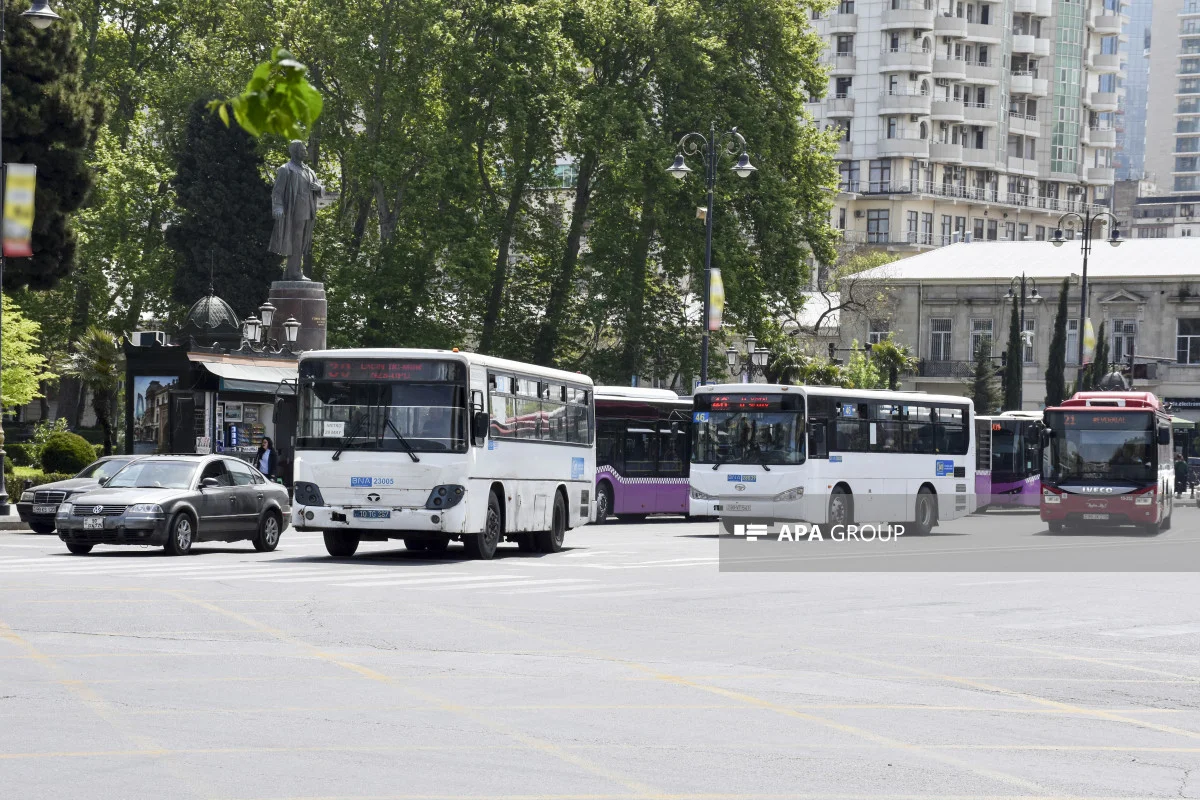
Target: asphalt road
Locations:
point(628, 666)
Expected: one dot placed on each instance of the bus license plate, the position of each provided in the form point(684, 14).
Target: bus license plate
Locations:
point(372, 513)
point(45, 509)
point(1095, 516)
point(93, 524)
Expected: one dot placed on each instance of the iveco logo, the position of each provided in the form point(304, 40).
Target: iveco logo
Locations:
point(374, 498)
point(97, 509)
point(1097, 489)
point(741, 487)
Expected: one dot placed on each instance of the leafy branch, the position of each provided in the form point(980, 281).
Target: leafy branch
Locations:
point(278, 99)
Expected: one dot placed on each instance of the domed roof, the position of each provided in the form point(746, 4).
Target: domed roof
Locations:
point(212, 321)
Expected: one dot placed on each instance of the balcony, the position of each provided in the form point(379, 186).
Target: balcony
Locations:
point(1022, 43)
point(1043, 8)
point(906, 59)
point(1103, 101)
point(976, 114)
point(945, 152)
point(1108, 24)
point(987, 74)
point(952, 69)
point(845, 150)
point(1105, 63)
point(843, 23)
point(1023, 124)
point(891, 104)
point(1099, 175)
point(1023, 166)
point(837, 107)
point(985, 34)
point(1041, 87)
point(1024, 6)
point(947, 110)
point(951, 27)
point(903, 148)
point(954, 370)
point(981, 158)
point(1100, 137)
point(913, 15)
point(842, 65)
point(1021, 83)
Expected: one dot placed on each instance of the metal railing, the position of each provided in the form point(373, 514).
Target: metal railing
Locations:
point(929, 368)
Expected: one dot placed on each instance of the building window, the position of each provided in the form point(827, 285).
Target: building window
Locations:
point(1023, 232)
point(1187, 341)
point(1072, 341)
point(1039, 233)
point(1124, 338)
point(927, 228)
point(878, 330)
point(940, 331)
point(978, 229)
point(893, 128)
point(993, 229)
point(947, 228)
point(845, 45)
point(877, 226)
point(981, 330)
point(880, 175)
point(1010, 231)
point(849, 173)
point(913, 235)
point(841, 219)
point(1029, 339)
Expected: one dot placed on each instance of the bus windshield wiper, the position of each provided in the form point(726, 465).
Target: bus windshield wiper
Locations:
point(346, 441)
point(404, 442)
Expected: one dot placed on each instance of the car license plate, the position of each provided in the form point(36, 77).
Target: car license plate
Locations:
point(93, 523)
point(1095, 516)
point(372, 513)
point(45, 509)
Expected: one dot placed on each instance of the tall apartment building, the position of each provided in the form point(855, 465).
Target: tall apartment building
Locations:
point(970, 118)
point(1173, 109)
point(1130, 157)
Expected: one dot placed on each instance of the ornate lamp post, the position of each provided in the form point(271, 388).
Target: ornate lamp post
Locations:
point(41, 16)
point(1071, 220)
point(253, 330)
point(712, 147)
point(1015, 285)
point(754, 362)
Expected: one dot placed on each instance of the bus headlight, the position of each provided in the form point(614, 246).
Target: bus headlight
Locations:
point(1144, 500)
point(306, 494)
point(1051, 498)
point(790, 494)
point(445, 496)
point(699, 495)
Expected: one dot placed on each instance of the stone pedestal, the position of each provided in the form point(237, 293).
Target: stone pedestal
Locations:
point(304, 300)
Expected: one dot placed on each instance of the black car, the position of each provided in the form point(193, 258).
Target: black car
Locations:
point(39, 506)
point(176, 501)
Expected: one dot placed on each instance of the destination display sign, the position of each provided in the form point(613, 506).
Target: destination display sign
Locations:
point(750, 402)
point(384, 369)
point(1114, 419)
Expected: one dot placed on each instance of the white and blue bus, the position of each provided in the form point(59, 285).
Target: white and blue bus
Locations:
point(431, 446)
point(833, 456)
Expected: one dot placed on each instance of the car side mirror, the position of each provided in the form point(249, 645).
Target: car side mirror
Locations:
point(102, 481)
point(1164, 435)
point(479, 426)
point(209, 483)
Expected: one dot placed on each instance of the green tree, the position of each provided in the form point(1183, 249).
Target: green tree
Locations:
point(1096, 371)
point(25, 363)
point(50, 121)
point(893, 360)
point(984, 391)
point(99, 366)
point(224, 221)
point(863, 371)
point(1013, 364)
point(1056, 369)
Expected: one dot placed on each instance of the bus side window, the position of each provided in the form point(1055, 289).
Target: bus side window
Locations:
point(818, 445)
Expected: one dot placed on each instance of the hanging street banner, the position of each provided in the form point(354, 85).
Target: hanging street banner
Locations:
point(716, 300)
point(18, 209)
point(1089, 341)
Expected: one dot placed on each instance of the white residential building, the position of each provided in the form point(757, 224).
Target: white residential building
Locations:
point(968, 118)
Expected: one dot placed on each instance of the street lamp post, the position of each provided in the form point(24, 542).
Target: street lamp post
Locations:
point(752, 363)
point(1019, 284)
point(41, 16)
point(1084, 222)
point(712, 146)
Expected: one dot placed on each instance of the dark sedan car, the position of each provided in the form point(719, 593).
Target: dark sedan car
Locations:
point(176, 501)
point(38, 507)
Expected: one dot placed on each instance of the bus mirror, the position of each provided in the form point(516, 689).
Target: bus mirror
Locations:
point(1047, 435)
point(1164, 435)
point(479, 426)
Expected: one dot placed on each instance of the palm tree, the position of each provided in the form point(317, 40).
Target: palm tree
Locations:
point(894, 360)
point(98, 364)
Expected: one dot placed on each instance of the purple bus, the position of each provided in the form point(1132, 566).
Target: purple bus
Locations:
point(641, 452)
point(1008, 460)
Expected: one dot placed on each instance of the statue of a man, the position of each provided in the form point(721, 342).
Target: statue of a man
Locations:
point(294, 206)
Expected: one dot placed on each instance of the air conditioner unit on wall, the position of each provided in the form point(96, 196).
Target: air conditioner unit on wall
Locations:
point(858, 213)
point(914, 117)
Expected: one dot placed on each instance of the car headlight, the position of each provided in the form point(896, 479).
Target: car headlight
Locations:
point(64, 509)
point(144, 508)
point(1144, 500)
point(699, 495)
point(446, 496)
point(26, 497)
point(790, 494)
point(1051, 498)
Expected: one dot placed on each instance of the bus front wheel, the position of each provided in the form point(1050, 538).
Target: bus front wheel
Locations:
point(841, 507)
point(482, 545)
point(604, 503)
point(1056, 526)
point(341, 544)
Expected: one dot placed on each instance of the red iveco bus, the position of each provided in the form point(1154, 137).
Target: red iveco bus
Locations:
point(1107, 458)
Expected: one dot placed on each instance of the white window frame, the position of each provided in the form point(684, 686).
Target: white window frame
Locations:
point(981, 327)
point(941, 338)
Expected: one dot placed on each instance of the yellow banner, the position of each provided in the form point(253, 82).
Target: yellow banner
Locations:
point(716, 300)
point(21, 179)
point(1089, 341)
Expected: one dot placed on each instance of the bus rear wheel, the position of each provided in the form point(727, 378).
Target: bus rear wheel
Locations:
point(925, 512)
point(551, 541)
point(482, 545)
point(341, 544)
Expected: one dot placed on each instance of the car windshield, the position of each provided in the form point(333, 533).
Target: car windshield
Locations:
point(154, 475)
point(104, 469)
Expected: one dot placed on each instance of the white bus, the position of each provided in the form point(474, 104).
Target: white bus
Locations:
point(433, 445)
point(833, 456)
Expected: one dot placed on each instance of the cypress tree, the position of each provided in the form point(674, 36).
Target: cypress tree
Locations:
point(984, 392)
point(224, 216)
point(1056, 380)
point(1012, 367)
point(50, 121)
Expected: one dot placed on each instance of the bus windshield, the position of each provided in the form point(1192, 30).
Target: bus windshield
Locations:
point(344, 405)
point(1014, 448)
point(1099, 446)
point(748, 429)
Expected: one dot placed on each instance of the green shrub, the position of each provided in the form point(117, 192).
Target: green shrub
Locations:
point(66, 452)
point(45, 429)
point(8, 469)
point(21, 454)
point(38, 480)
point(99, 451)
